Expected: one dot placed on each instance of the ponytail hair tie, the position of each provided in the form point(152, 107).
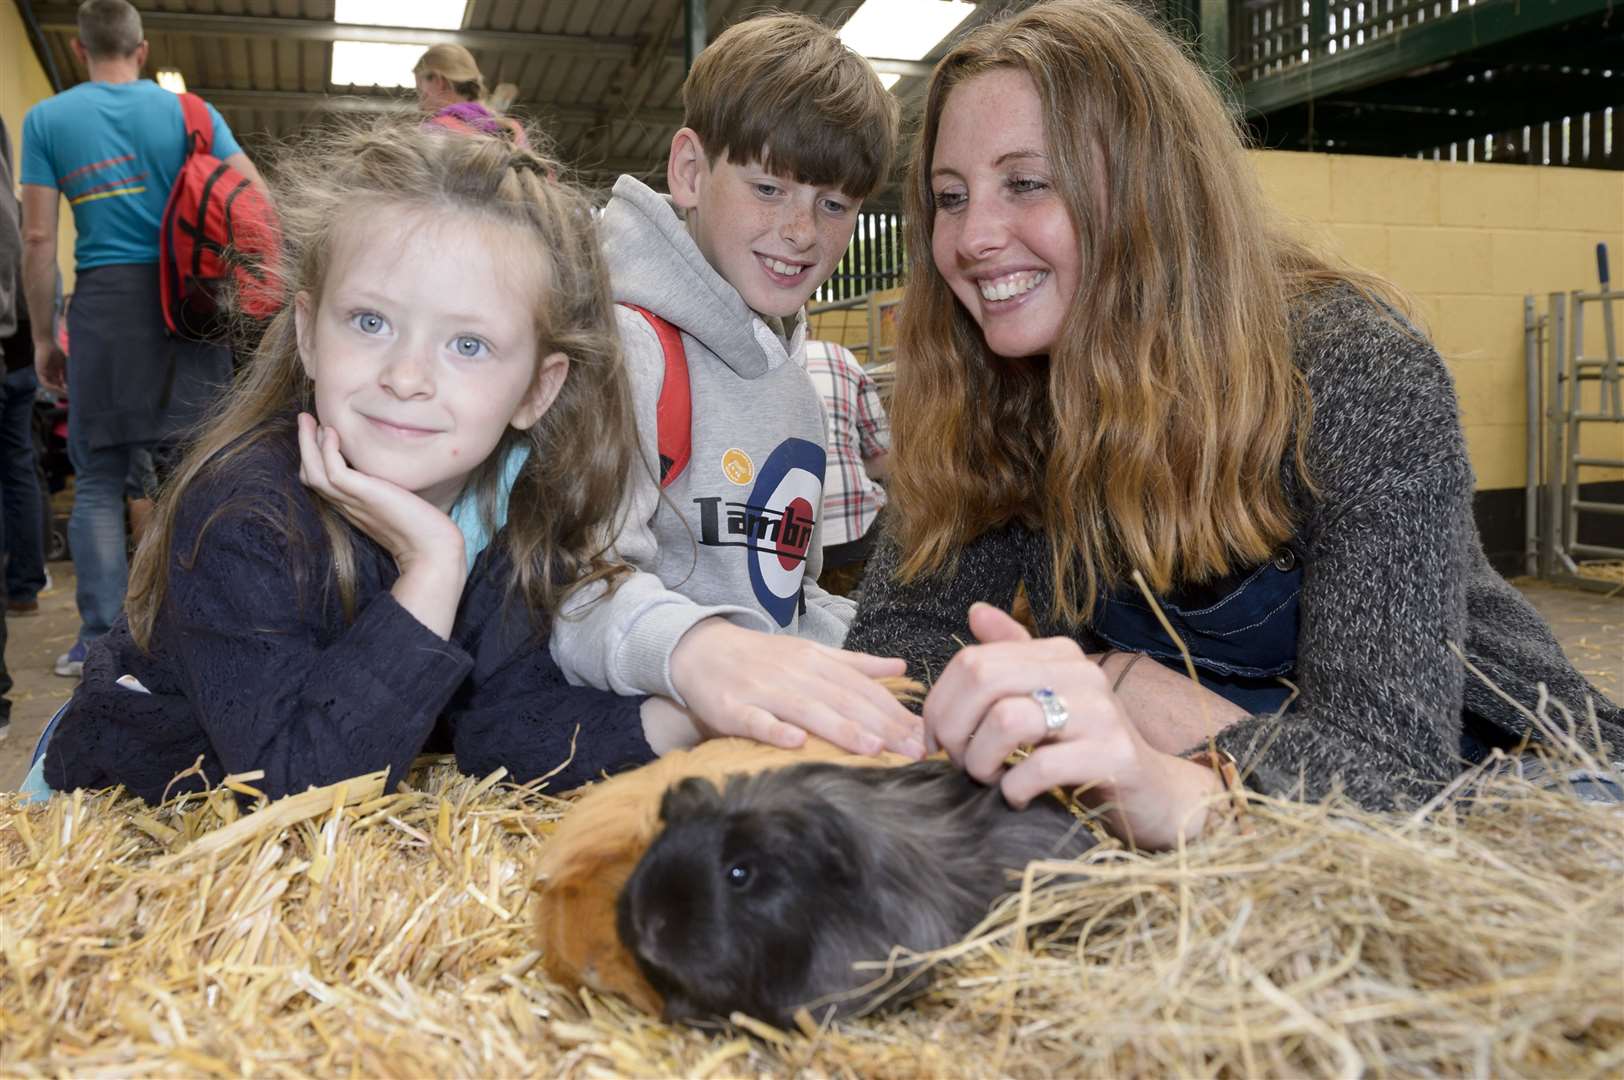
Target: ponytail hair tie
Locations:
point(525, 161)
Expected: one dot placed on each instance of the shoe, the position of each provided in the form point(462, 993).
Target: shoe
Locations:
point(22, 607)
point(71, 664)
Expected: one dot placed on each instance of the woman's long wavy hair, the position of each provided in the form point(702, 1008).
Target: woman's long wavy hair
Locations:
point(1161, 429)
point(561, 511)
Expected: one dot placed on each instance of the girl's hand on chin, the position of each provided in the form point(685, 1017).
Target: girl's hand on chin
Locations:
point(426, 544)
point(981, 710)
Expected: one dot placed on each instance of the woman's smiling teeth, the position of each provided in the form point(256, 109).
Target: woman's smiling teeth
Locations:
point(1011, 285)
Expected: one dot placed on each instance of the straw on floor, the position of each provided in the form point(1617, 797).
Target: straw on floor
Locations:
point(348, 931)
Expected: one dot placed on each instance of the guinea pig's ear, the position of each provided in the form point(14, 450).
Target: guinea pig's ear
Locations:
point(689, 798)
point(837, 840)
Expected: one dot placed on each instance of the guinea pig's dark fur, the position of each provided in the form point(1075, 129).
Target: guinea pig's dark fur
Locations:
point(760, 898)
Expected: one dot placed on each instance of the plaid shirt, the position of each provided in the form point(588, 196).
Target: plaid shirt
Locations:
point(858, 430)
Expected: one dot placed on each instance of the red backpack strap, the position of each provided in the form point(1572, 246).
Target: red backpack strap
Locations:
point(674, 415)
point(199, 125)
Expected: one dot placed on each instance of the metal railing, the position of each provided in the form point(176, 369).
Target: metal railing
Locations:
point(874, 260)
point(1270, 36)
point(1569, 393)
point(872, 349)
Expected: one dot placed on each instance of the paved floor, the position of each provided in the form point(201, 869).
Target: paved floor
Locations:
point(1589, 625)
point(33, 644)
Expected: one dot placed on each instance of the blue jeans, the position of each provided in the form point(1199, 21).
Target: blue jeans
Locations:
point(96, 532)
point(22, 521)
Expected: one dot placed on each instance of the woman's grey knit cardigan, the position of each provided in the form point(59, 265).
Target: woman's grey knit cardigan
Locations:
point(1394, 574)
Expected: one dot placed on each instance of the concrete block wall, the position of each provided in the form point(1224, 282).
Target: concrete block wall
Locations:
point(1467, 242)
point(850, 327)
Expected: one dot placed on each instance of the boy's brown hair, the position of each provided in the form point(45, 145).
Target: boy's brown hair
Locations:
point(784, 90)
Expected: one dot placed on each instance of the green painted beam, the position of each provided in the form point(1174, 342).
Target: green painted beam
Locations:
point(1488, 23)
point(1215, 34)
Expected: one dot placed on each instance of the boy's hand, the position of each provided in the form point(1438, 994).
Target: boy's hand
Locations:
point(426, 544)
point(774, 688)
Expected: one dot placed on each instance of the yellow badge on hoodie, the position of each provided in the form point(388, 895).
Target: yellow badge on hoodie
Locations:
point(737, 466)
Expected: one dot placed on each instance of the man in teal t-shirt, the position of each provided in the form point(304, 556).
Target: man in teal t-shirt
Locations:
point(111, 146)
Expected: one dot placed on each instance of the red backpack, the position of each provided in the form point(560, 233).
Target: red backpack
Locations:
point(219, 232)
point(674, 415)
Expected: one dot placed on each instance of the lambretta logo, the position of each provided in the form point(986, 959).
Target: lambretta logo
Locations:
point(785, 533)
point(773, 523)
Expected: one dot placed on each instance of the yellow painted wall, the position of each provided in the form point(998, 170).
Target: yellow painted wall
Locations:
point(850, 326)
point(1467, 242)
point(22, 83)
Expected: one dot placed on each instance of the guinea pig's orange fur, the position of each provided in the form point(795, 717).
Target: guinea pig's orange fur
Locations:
point(598, 844)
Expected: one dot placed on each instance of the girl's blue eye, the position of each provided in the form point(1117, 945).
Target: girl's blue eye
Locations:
point(468, 346)
point(766, 189)
point(368, 322)
point(834, 206)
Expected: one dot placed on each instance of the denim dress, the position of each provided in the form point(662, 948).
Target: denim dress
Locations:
point(1241, 630)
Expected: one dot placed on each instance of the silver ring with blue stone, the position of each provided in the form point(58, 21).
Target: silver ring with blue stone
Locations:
point(1054, 709)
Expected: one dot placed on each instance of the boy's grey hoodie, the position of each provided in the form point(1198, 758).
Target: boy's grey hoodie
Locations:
point(737, 533)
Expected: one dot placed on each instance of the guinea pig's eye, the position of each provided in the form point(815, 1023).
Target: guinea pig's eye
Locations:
point(739, 875)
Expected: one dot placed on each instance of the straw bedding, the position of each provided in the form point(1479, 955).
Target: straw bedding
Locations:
point(348, 931)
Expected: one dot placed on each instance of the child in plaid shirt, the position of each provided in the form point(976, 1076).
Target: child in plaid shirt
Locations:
point(859, 445)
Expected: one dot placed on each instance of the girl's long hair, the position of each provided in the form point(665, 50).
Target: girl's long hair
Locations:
point(1160, 431)
point(561, 513)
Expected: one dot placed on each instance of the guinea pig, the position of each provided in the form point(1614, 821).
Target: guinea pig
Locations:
point(760, 897)
point(594, 849)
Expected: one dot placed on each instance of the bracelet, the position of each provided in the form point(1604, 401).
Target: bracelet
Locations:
point(1222, 762)
point(1116, 684)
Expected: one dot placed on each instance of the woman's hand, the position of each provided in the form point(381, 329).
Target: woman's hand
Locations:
point(981, 710)
point(426, 544)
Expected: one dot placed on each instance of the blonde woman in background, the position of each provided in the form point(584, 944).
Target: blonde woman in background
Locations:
point(452, 91)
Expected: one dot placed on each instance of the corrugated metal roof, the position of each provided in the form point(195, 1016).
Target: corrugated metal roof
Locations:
point(601, 77)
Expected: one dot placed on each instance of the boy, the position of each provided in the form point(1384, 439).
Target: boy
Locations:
point(786, 132)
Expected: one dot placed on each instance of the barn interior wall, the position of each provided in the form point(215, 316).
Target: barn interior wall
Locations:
point(1467, 242)
point(22, 84)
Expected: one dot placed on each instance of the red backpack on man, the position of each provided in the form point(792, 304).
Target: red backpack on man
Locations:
point(219, 234)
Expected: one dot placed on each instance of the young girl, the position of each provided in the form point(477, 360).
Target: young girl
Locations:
point(1112, 360)
point(306, 605)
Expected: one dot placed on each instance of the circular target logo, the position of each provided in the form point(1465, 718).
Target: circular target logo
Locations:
point(787, 494)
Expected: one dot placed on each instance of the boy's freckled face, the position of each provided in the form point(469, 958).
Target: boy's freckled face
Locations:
point(774, 239)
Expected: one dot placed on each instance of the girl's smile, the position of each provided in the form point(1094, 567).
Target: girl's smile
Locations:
point(423, 347)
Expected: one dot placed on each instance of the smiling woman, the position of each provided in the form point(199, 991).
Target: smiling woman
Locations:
point(1004, 240)
point(1116, 364)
